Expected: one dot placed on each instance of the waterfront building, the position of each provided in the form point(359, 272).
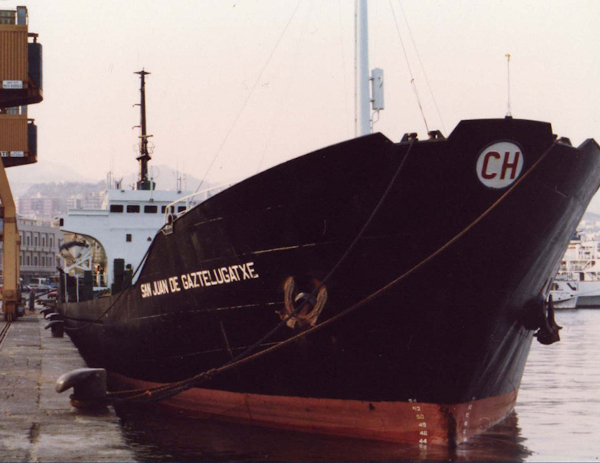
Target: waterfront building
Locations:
point(40, 244)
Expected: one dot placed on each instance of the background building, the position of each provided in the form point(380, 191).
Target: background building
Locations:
point(40, 244)
point(41, 207)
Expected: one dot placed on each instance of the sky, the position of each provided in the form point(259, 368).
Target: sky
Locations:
point(238, 86)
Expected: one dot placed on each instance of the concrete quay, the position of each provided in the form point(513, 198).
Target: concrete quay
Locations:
point(36, 423)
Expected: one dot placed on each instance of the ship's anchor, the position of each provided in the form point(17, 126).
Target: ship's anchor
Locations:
point(311, 306)
point(548, 332)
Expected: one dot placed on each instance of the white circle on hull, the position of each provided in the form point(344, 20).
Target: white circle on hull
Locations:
point(500, 164)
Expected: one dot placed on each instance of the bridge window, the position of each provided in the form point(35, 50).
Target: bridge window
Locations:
point(150, 209)
point(116, 208)
point(181, 209)
point(133, 208)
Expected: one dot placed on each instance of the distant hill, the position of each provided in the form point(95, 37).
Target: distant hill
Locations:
point(62, 189)
point(53, 180)
point(23, 177)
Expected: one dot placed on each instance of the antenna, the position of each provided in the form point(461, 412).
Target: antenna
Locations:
point(508, 112)
point(376, 94)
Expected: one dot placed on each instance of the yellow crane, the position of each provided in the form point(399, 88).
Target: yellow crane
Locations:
point(20, 85)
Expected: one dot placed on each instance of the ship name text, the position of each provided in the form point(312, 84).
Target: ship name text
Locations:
point(199, 279)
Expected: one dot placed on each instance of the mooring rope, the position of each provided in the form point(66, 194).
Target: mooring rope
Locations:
point(254, 87)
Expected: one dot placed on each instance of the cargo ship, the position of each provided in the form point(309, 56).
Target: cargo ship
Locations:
point(382, 290)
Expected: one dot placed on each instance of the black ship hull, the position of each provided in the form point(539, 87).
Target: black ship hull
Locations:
point(454, 331)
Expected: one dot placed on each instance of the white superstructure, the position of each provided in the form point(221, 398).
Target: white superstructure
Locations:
point(122, 229)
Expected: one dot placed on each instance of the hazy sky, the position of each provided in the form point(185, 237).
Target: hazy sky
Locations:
point(229, 84)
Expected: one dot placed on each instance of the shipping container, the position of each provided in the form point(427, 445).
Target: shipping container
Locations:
point(13, 50)
point(20, 60)
point(18, 140)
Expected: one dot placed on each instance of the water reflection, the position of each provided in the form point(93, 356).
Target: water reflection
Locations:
point(155, 436)
point(557, 419)
point(503, 442)
point(559, 402)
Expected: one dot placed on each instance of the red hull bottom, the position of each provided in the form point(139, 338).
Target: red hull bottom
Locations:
point(402, 422)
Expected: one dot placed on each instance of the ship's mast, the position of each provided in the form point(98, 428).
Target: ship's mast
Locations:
point(364, 100)
point(363, 118)
point(144, 182)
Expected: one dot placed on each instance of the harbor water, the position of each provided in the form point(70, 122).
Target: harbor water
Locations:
point(557, 418)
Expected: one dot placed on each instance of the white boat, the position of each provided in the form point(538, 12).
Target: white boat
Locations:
point(577, 283)
point(563, 295)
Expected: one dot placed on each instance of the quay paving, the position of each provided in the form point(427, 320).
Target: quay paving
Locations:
point(36, 423)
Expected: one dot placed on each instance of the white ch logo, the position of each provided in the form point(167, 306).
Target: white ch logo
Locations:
point(499, 164)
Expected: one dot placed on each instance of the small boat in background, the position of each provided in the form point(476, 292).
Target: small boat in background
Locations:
point(563, 295)
point(579, 275)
